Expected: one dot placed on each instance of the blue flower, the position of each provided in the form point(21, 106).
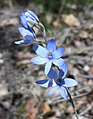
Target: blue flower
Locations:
point(62, 83)
point(48, 55)
point(52, 77)
point(29, 19)
point(58, 82)
point(28, 35)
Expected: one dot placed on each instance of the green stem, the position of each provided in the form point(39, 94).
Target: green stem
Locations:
point(43, 37)
point(72, 101)
point(42, 33)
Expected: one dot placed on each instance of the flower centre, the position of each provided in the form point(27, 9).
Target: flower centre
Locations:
point(50, 56)
point(59, 80)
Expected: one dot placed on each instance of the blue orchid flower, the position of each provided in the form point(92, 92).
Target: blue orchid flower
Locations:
point(28, 35)
point(48, 55)
point(52, 77)
point(61, 84)
point(58, 82)
point(29, 19)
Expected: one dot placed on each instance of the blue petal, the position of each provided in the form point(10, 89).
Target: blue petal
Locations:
point(26, 34)
point(48, 67)
point(52, 83)
point(58, 53)
point(51, 46)
point(52, 91)
point(28, 16)
point(68, 82)
point(52, 74)
point(63, 70)
point(58, 62)
point(63, 92)
point(38, 60)
point(46, 83)
point(41, 51)
point(26, 41)
point(43, 83)
point(33, 15)
point(23, 20)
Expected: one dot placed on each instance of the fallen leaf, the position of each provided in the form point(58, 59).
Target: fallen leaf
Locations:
point(36, 30)
point(46, 108)
point(83, 34)
point(69, 109)
point(79, 104)
point(71, 20)
point(30, 109)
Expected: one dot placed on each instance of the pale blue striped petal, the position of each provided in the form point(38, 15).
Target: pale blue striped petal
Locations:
point(51, 46)
point(63, 70)
point(48, 67)
point(63, 92)
point(52, 91)
point(58, 53)
point(38, 60)
point(26, 33)
point(58, 62)
point(41, 51)
point(43, 83)
point(68, 82)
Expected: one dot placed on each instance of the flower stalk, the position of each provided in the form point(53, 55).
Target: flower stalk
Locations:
point(42, 31)
point(72, 102)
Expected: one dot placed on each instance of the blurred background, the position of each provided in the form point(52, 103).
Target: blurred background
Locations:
point(70, 23)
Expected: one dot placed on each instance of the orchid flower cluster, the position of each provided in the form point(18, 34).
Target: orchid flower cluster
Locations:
point(47, 54)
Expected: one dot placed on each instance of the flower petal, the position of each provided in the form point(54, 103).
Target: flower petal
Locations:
point(51, 46)
point(68, 82)
point(58, 53)
point(58, 62)
point(29, 18)
point(63, 92)
point(32, 15)
point(38, 60)
point(41, 51)
point(23, 20)
point(26, 33)
point(51, 83)
point(46, 83)
point(52, 91)
point(63, 70)
point(43, 83)
point(48, 67)
point(25, 41)
point(52, 74)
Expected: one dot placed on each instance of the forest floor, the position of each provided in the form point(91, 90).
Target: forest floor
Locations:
point(19, 97)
